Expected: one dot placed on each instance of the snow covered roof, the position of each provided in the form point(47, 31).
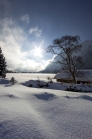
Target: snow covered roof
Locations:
point(87, 75)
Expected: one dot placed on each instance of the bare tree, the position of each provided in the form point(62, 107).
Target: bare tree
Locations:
point(67, 47)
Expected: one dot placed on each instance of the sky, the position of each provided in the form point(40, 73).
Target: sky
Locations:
point(28, 27)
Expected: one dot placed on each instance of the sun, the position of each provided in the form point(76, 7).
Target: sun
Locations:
point(37, 51)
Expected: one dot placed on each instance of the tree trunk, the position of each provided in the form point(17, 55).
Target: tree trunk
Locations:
point(74, 78)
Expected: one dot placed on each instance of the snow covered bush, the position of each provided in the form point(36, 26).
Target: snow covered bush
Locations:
point(12, 80)
point(47, 84)
point(30, 85)
point(72, 88)
point(50, 80)
point(42, 84)
point(79, 88)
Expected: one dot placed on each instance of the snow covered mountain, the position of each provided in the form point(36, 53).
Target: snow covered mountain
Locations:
point(53, 67)
point(86, 53)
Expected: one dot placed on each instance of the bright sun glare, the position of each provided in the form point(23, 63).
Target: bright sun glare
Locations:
point(37, 51)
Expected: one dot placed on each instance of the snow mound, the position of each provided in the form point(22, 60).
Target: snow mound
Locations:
point(45, 96)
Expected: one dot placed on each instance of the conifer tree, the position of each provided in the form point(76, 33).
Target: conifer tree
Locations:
point(2, 65)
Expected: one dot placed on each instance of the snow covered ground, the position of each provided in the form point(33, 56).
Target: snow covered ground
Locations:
point(43, 113)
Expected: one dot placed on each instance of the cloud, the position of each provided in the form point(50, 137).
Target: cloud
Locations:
point(25, 18)
point(37, 32)
point(12, 40)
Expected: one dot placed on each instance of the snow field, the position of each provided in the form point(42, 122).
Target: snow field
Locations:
point(40, 113)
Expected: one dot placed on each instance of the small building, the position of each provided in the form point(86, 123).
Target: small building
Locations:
point(84, 76)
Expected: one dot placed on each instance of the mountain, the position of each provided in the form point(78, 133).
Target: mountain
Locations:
point(53, 67)
point(86, 53)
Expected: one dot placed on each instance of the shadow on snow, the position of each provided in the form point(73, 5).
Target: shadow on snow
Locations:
point(46, 96)
point(86, 97)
